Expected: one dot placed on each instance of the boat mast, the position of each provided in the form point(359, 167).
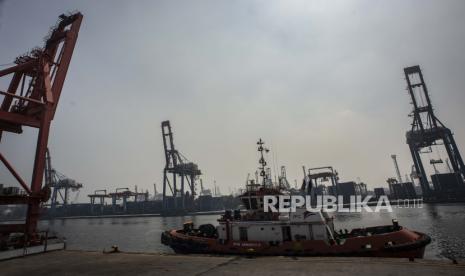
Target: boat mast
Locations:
point(262, 161)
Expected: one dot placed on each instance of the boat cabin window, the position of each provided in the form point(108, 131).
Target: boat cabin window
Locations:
point(243, 234)
point(286, 233)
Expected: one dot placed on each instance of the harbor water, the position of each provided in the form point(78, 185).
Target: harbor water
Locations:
point(443, 222)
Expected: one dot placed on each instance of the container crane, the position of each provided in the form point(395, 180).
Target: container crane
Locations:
point(180, 169)
point(427, 131)
point(396, 166)
point(31, 100)
point(59, 183)
point(283, 183)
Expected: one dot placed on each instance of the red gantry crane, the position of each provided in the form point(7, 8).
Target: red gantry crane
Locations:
point(31, 99)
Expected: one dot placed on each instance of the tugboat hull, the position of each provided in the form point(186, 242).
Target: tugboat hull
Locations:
point(399, 244)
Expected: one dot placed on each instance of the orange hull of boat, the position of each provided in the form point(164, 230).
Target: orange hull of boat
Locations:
point(399, 244)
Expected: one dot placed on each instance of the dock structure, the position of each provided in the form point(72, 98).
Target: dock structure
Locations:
point(97, 199)
point(125, 194)
point(99, 195)
point(98, 263)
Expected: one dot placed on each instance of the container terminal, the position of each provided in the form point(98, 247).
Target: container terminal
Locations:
point(31, 99)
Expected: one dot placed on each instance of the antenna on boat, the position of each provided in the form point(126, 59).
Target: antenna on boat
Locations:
point(275, 162)
point(262, 161)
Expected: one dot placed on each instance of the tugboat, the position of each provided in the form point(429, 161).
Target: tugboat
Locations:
point(300, 233)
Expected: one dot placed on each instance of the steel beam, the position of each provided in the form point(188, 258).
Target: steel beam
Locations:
point(14, 173)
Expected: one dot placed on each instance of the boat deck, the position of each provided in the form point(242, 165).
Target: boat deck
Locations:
point(97, 263)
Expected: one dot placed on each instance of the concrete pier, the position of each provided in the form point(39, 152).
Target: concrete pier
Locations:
point(97, 263)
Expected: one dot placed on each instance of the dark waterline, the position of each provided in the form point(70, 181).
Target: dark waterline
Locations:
point(443, 222)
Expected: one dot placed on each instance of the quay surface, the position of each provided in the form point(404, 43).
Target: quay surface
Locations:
point(70, 262)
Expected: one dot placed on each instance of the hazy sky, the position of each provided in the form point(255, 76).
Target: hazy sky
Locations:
point(320, 81)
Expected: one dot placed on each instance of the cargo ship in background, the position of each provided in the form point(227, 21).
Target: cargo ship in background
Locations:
point(300, 233)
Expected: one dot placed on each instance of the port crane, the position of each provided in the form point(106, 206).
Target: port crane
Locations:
point(427, 131)
point(283, 183)
point(30, 100)
point(396, 166)
point(314, 178)
point(59, 183)
point(180, 168)
point(203, 191)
